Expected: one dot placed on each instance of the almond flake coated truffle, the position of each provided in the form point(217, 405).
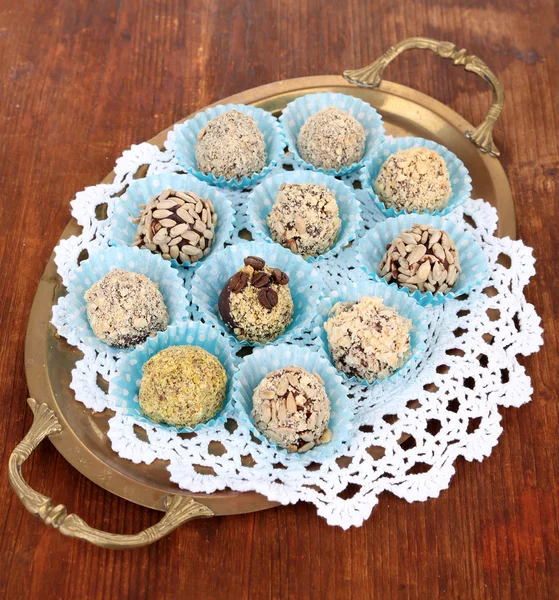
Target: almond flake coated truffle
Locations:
point(231, 146)
point(182, 386)
point(415, 179)
point(256, 303)
point(305, 218)
point(367, 339)
point(125, 308)
point(291, 409)
point(331, 139)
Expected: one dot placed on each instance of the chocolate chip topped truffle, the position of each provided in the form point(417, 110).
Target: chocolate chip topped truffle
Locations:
point(292, 410)
point(125, 308)
point(256, 302)
point(231, 146)
point(331, 139)
point(422, 258)
point(182, 386)
point(179, 225)
point(415, 179)
point(305, 218)
point(367, 339)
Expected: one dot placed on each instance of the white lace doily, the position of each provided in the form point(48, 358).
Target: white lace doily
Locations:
point(445, 407)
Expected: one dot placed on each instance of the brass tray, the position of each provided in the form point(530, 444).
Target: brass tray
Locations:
point(80, 435)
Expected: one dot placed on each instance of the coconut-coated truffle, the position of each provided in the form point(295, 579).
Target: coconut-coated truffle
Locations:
point(422, 258)
point(305, 218)
point(231, 146)
point(367, 339)
point(182, 386)
point(291, 409)
point(256, 302)
point(331, 139)
point(125, 308)
point(415, 179)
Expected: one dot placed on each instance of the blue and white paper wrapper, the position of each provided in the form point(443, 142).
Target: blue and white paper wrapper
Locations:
point(124, 386)
point(406, 307)
point(460, 179)
point(264, 360)
point(97, 266)
point(372, 246)
point(304, 283)
point(262, 199)
point(186, 139)
point(298, 111)
point(141, 191)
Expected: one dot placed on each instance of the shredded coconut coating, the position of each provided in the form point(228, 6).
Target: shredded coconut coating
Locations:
point(253, 321)
point(331, 139)
point(367, 339)
point(125, 308)
point(415, 179)
point(182, 386)
point(231, 146)
point(305, 218)
point(292, 410)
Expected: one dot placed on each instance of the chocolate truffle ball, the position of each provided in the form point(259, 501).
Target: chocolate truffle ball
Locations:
point(331, 139)
point(415, 179)
point(305, 218)
point(182, 386)
point(422, 258)
point(367, 339)
point(231, 146)
point(125, 308)
point(291, 409)
point(256, 302)
point(178, 225)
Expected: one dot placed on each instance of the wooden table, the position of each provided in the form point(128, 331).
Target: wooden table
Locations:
point(80, 81)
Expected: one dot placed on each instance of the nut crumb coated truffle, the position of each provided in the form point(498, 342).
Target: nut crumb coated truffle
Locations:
point(331, 139)
point(231, 146)
point(291, 409)
point(422, 258)
point(305, 218)
point(414, 179)
point(178, 225)
point(256, 302)
point(125, 308)
point(367, 339)
point(182, 386)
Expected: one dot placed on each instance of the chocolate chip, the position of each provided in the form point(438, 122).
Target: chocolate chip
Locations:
point(268, 297)
point(260, 279)
point(256, 263)
point(280, 277)
point(238, 282)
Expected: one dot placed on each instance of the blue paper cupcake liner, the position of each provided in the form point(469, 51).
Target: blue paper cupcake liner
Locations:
point(406, 307)
point(186, 139)
point(121, 229)
point(304, 284)
point(264, 360)
point(372, 246)
point(262, 199)
point(77, 329)
point(460, 179)
point(298, 111)
point(124, 386)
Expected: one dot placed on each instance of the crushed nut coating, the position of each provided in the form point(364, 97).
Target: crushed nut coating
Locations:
point(182, 386)
point(367, 339)
point(125, 308)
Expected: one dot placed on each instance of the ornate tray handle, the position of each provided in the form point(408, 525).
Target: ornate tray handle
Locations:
point(179, 508)
point(481, 136)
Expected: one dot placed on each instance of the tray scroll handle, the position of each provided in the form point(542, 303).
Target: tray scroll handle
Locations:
point(179, 508)
point(482, 135)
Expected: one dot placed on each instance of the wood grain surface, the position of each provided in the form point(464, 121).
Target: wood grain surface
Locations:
point(80, 81)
